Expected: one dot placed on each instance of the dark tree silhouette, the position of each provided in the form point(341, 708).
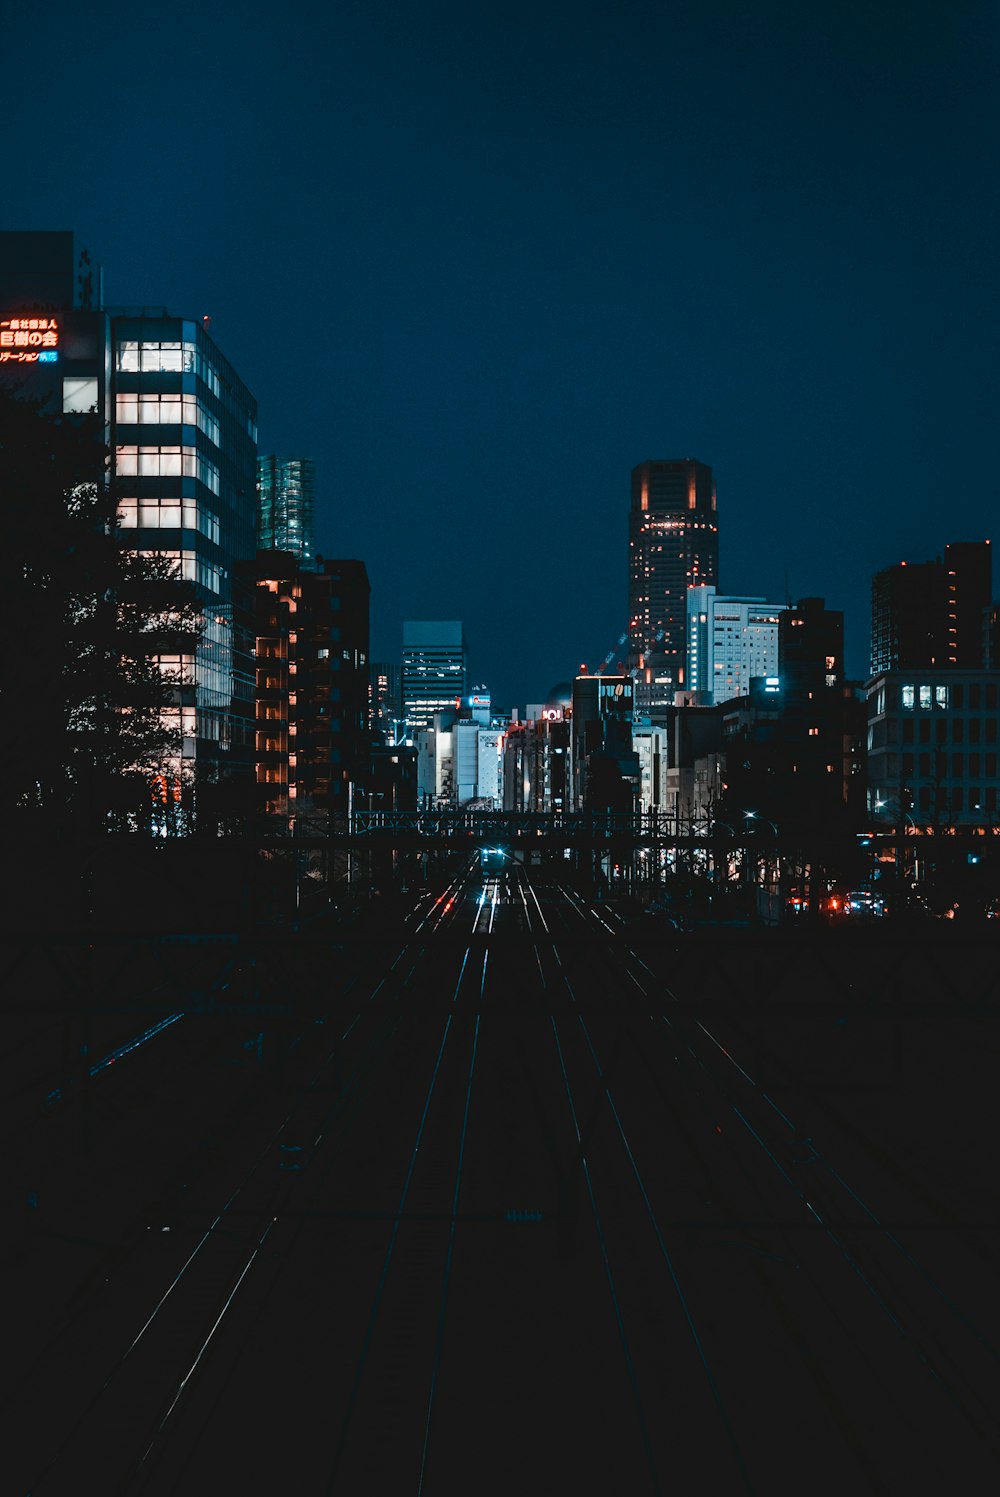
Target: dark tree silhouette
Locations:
point(91, 723)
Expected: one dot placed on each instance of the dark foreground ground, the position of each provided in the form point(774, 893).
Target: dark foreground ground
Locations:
point(497, 1193)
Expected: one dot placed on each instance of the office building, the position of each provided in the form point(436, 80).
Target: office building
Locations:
point(729, 642)
point(537, 761)
point(605, 767)
point(932, 748)
point(434, 669)
point(934, 613)
point(968, 567)
point(286, 503)
point(673, 545)
point(822, 728)
point(312, 683)
point(181, 428)
point(387, 701)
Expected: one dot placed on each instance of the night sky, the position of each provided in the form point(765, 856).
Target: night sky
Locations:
point(479, 260)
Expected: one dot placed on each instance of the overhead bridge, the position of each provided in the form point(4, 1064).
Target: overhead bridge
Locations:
point(525, 830)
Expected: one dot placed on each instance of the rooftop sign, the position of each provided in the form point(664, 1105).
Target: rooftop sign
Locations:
point(28, 340)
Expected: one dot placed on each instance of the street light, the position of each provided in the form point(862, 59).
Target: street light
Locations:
point(900, 860)
point(755, 816)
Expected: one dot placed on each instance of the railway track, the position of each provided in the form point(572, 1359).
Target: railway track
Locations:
point(524, 1221)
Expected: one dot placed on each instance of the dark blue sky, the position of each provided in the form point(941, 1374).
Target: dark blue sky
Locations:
point(480, 260)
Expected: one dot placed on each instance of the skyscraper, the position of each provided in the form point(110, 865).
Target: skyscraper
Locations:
point(434, 669)
point(312, 681)
point(968, 567)
point(673, 545)
point(286, 500)
point(934, 613)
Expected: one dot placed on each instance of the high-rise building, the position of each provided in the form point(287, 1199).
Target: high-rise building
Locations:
point(673, 545)
point(909, 617)
point(181, 428)
point(934, 613)
point(387, 701)
point(286, 503)
point(434, 669)
point(730, 641)
point(312, 737)
point(605, 766)
point(822, 713)
point(968, 567)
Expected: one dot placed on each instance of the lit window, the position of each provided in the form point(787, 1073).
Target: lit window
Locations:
point(941, 696)
point(925, 698)
point(79, 395)
point(908, 696)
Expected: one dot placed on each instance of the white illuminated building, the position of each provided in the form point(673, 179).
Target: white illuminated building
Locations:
point(729, 640)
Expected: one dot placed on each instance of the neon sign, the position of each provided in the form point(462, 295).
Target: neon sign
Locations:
point(28, 340)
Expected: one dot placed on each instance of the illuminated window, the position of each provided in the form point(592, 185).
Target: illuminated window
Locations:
point(193, 568)
point(79, 395)
point(179, 668)
point(177, 409)
point(166, 462)
point(156, 357)
point(908, 696)
point(941, 696)
point(925, 698)
point(167, 512)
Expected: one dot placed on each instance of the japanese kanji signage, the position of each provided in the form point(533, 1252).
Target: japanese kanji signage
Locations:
point(28, 340)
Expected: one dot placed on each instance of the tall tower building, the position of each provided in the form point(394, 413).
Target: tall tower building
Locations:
point(673, 545)
point(909, 617)
point(968, 567)
point(286, 502)
point(434, 669)
point(312, 734)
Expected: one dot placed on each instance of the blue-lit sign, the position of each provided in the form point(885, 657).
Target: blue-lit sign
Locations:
point(48, 356)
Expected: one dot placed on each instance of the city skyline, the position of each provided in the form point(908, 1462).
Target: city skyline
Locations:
point(513, 275)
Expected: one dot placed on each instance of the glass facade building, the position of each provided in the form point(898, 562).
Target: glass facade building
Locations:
point(933, 747)
point(183, 438)
point(286, 504)
point(434, 669)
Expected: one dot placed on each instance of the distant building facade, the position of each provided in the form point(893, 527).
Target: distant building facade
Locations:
point(934, 613)
point(312, 681)
point(730, 640)
point(933, 741)
point(387, 701)
point(434, 669)
point(605, 767)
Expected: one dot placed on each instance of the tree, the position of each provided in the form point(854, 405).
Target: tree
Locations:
point(90, 709)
